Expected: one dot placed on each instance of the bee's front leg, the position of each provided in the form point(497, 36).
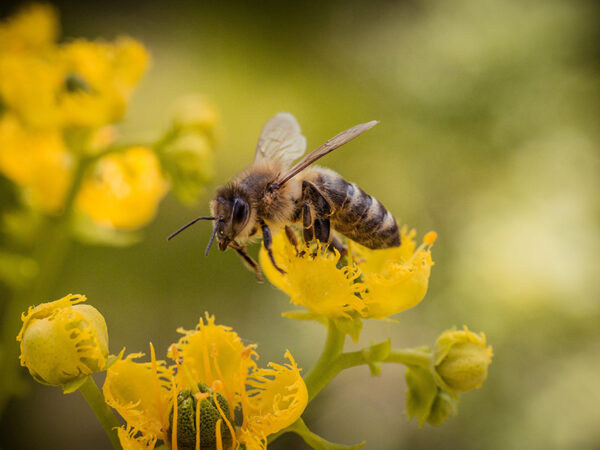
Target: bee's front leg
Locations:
point(268, 243)
point(249, 262)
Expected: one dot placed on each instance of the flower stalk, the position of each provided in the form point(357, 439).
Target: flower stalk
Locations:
point(103, 412)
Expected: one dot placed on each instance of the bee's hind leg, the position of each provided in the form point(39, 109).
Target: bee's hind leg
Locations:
point(268, 243)
point(338, 245)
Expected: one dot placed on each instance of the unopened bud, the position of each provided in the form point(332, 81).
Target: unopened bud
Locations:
point(461, 360)
point(62, 341)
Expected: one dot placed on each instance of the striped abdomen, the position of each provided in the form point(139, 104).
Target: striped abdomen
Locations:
point(357, 215)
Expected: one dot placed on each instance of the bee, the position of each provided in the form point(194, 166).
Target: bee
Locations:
point(272, 193)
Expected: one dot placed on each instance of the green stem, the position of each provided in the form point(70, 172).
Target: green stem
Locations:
point(409, 357)
point(313, 440)
point(105, 415)
point(319, 377)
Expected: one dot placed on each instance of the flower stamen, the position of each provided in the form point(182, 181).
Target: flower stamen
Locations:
point(218, 433)
point(227, 422)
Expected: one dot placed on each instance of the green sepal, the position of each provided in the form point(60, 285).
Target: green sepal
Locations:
point(351, 327)
point(113, 359)
point(421, 394)
point(73, 385)
point(442, 409)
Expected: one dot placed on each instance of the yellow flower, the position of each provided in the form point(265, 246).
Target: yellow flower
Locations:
point(99, 78)
point(32, 27)
point(396, 278)
point(62, 341)
point(314, 280)
point(214, 374)
point(461, 360)
point(37, 161)
point(123, 189)
point(377, 284)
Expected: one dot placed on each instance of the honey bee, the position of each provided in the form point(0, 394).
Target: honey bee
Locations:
point(272, 193)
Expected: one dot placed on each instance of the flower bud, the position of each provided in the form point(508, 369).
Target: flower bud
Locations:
point(62, 341)
point(189, 163)
point(194, 112)
point(187, 406)
point(461, 360)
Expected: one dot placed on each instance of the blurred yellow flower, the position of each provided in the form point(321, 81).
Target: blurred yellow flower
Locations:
point(99, 78)
point(377, 284)
point(461, 360)
point(37, 161)
point(30, 85)
point(32, 27)
point(62, 341)
point(77, 84)
point(214, 374)
point(122, 190)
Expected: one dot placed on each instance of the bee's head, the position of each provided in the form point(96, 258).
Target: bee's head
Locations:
point(231, 212)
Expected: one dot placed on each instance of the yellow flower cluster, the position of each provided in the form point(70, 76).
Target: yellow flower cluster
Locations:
point(373, 284)
point(57, 104)
point(214, 374)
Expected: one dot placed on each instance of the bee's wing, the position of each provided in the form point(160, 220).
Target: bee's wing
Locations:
point(326, 148)
point(280, 140)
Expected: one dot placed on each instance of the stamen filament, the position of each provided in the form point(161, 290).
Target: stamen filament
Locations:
point(218, 435)
point(227, 422)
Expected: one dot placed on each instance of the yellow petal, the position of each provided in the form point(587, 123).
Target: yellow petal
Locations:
point(32, 27)
point(315, 280)
point(132, 439)
point(397, 278)
point(124, 189)
point(214, 352)
point(276, 398)
point(131, 389)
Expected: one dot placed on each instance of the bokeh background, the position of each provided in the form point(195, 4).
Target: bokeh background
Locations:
point(489, 135)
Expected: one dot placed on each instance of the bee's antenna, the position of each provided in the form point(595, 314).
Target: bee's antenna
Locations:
point(212, 238)
point(172, 235)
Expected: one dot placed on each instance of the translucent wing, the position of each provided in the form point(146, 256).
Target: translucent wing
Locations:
point(280, 140)
point(326, 148)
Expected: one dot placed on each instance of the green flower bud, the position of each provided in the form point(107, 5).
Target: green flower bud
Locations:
point(461, 360)
point(62, 342)
point(209, 416)
point(188, 160)
point(194, 112)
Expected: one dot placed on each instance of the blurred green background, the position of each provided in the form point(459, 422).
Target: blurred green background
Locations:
point(489, 135)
